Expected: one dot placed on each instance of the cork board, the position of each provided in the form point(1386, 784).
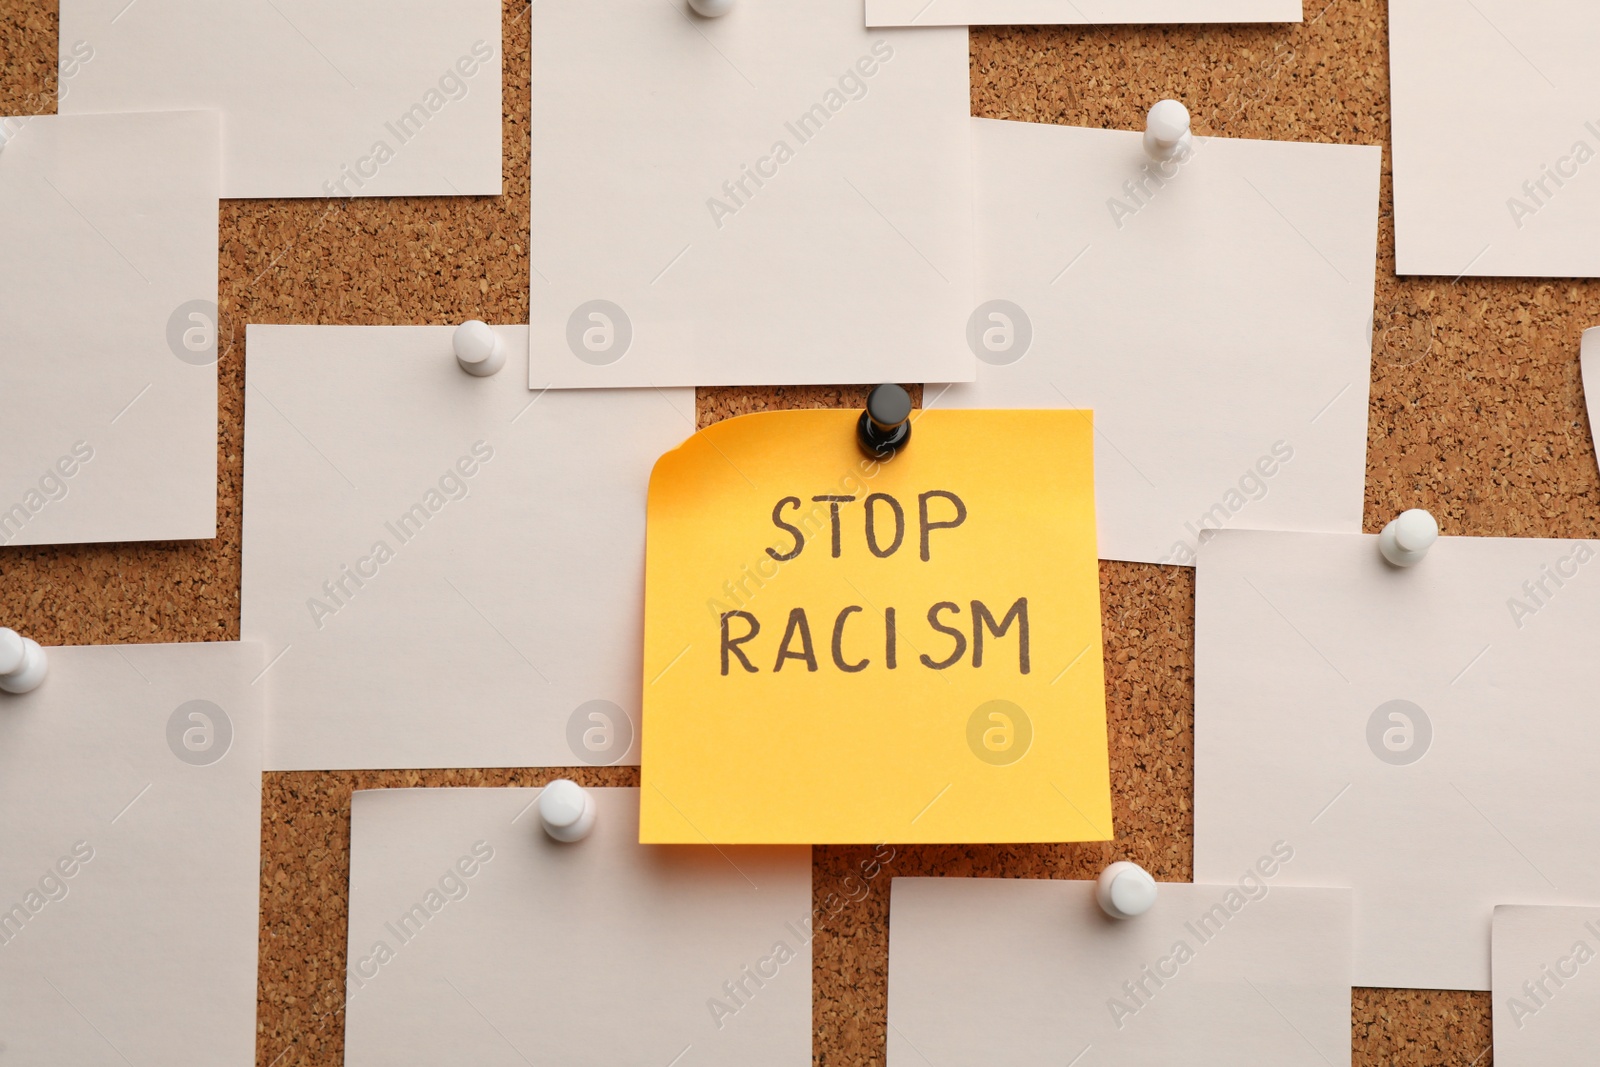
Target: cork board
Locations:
point(1476, 413)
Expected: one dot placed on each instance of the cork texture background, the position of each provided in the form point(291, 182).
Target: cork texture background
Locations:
point(1476, 414)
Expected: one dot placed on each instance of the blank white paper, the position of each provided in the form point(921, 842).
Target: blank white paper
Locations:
point(447, 571)
point(1075, 12)
point(319, 97)
point(775, 197)
point(1031, 973)
point(130, 858)
point(108, 327)
point(1215, 314)
point(475, 938)
point(1546, 985)
point(1422, 735)
point(1495, 127)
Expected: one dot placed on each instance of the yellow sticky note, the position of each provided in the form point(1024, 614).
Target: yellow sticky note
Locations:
point(841, 650)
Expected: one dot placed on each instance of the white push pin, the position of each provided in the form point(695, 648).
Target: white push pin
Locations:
point(1407, 539)
point(567, 810)
point(1125, 890)
point(711, 8)
point(22, 663)
point(1166, 131)
point(479, 349)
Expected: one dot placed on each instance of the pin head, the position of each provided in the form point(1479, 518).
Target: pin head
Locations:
point(1168, 121)
point(1166, 131)
point(1416, 530)
point(885, 427)
point(478, 348)
point(711, 8)
point(1407, 539)
point(1125, 890)
point(28, 672)
point(566, 810)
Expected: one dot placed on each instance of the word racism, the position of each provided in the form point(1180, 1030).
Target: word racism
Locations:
point(51, 887)
point(452, 886)
point(340, 591)
point(1139, 992)
point(738, 191)
point(1565, 168)
point(885, 534)
point(1537, 992)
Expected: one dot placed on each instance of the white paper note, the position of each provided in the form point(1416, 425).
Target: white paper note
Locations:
point(1032, 973)
point(130, 858)
point(1075, 12)
point(448, 571)
point(319, 97)
point(1546, 985)
point(1216, 315)
point(1496, 125)
point(108, 311)
point(475, 938)
point(1423, 735)
point(777, 196)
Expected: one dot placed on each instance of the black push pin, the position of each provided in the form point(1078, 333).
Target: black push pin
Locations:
point(885, 427)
